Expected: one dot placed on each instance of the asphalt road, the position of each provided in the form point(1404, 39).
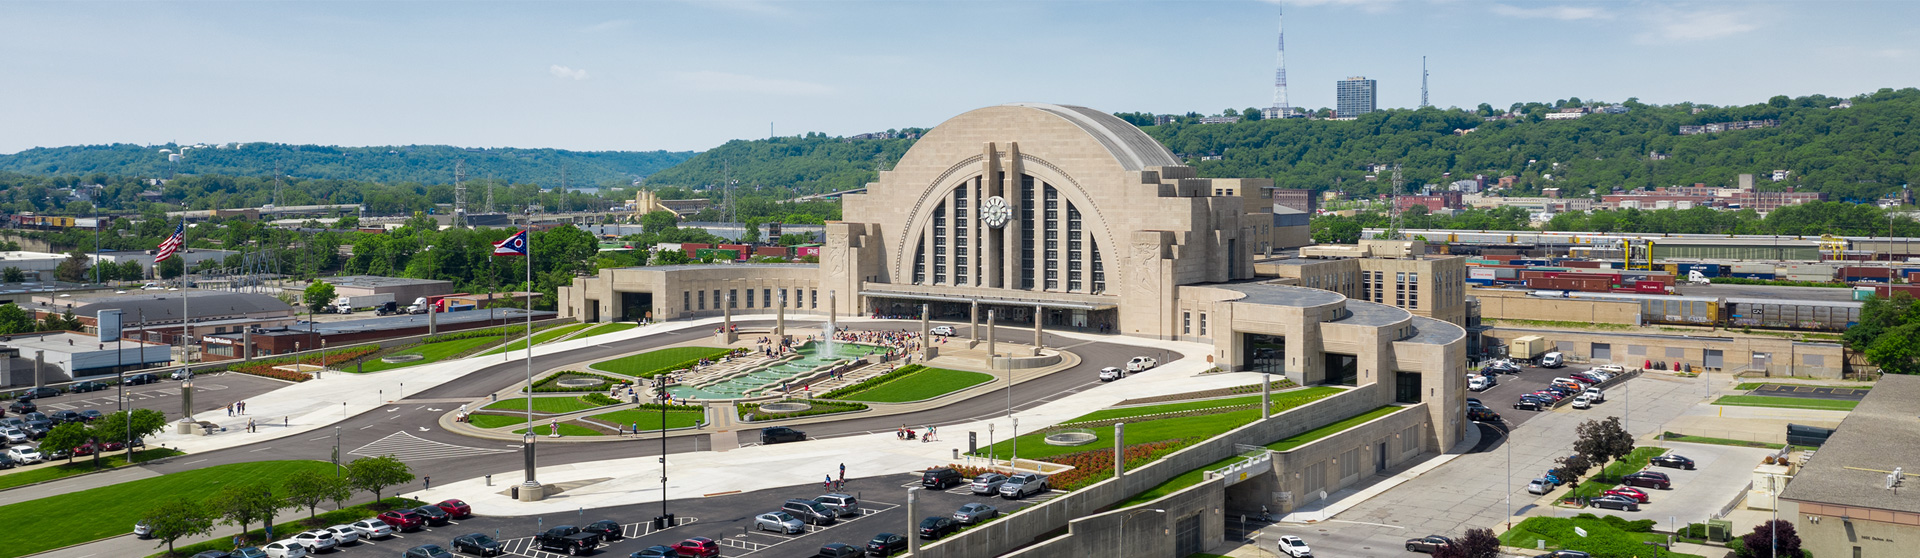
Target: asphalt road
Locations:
point(409, 428)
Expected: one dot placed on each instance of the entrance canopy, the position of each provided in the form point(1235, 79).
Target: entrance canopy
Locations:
point(996, 300)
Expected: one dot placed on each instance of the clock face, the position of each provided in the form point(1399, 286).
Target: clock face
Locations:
point(995, 212)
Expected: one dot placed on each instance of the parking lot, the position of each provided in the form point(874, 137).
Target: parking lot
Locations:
point(211, 392)
point(1720, 474)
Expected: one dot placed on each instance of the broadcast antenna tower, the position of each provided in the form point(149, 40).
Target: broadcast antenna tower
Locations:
point(1398, 183)
point(1423, 82)
point(1280, 107)
point(489, 192)
point(459, 194)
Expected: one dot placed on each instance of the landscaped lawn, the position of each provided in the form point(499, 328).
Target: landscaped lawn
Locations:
point(1328, 430)
point(1175, 484)
point(603, 329)
point(566, 429)
point(1034, 446)
point(434, 352)
point(1281, 401)
point(495, 421)
point(80, 465)
point(549, 405)
point(110, 511)
point(645, 365)
point(649, 419)
point(538, 338)
point(1785, 402)
point(1602, 538)
point(1750, 386)
point(1610, 477)
point(926, 383)
point(1671, 437)
point(295, 523)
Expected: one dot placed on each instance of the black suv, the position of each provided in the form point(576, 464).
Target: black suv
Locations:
point(940, 478)
point(1527, 404)
point(886, 544)
point(777, 434)
point(63, 417)
point(477, 544)
point(1482, 414)
point(810, 512)
point(142, 379)
point(609, 530)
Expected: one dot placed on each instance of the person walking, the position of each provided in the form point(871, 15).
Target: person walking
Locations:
point(843, 473)
point(426, 483)
point(229, 409)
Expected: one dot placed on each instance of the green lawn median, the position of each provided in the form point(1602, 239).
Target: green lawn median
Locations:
point(431, 353)
point(1309, 436)
point(919, 385)
point(110, 511)
point(1193, 477)
point(555, 405)
point(1034, 445)
point(538, 338)
point(604, 329)
point(566, 429)
point(1281, 402)
point(649, 418)
point(1672, 437)
point(495, 421)
point(1601, 537)
point(1785, 402)
point(647, 364)
point(79, 466)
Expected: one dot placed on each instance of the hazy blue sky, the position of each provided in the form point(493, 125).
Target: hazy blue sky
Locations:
point(690, 75)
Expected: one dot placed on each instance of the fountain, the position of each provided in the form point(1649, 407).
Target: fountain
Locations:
point(812, 356)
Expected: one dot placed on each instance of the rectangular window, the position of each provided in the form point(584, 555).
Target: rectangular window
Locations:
point(1203, 324)
point(1186, 322)
point(813, 298)
point(749, 298)
point(686, 299)
point(766, 298)
point(1406, 387)
point(1413, 290)
point(733, 298)
point(716, 299)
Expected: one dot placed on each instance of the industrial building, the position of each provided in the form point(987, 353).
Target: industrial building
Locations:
point(403, 290)
point(1855, 497)
point(308, 335)
point(38, 359)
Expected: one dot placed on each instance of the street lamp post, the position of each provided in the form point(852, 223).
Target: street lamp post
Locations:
point(665, 520)
point(1123, 528)
point(1506, 439)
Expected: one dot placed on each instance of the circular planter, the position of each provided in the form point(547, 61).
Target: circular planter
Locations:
point(579, 382)
point(1071, 437)
point(396, 359)
point(784, 407)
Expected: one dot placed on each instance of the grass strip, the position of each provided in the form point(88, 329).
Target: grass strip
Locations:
point(1309, 436)
point(538, 338)
point(650, 419)
point(920, 385)
point(650, 363)
point(1672, 437)
point(1610, 476)
point(1034, 446)
point(1176, 484)
point(495, 421)
point(604, 329)
point(110, 511)
point(1281, 401)
point(566, 429)
point(1785, 402)
point(548, 405)
point(80, 465)
point(1750, 386)
point(433, 352)
point(1605, 537)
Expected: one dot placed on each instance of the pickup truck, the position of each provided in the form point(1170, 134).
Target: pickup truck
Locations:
point(567, 539)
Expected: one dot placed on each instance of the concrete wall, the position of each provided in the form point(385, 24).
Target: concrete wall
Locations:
point(1842, 529)
point(1407, 434)
point(1504, 304)
point(1136, 533)
point(1787, 357)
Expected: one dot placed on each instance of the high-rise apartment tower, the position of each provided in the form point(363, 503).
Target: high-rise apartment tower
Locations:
point(1354, 96)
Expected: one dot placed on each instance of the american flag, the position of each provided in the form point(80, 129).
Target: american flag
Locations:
point(172, 243)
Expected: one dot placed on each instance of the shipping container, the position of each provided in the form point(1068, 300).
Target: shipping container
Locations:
point(771, 251)
point(1481, 273)
point(1583, 264)
point(1760, 276)
point(716, 254)
point(805, 251)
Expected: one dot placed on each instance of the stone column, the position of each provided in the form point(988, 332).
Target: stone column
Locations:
point(433, 319)
point(246, 343)
point(780, 316)
point(833, 312)
point(1039, 314)
point(1010, 236)
point(926, 335)
point(991, 355)
point(973, 324)
point(39, 362)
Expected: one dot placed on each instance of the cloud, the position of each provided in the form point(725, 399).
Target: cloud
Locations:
point(723, 82)
point(1563, 13)
point(1678, 26)
point(608, 25)
point(564, 72)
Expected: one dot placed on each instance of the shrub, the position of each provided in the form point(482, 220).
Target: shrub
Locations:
point(1093, 466)
point(509, 331)
point(751, 412)
point(265, 368)
point(600, 399)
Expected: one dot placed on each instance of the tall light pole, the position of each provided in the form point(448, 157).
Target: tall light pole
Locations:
point(1123, 528)
point(1506, 439)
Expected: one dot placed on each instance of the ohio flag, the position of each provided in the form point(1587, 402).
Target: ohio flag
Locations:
point(515, 245)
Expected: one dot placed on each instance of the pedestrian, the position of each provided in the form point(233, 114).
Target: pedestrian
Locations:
point(843, 472)
point(249, 425)
point(426, 483)
point(229, 409)
point(286, 421)
point(636, 429)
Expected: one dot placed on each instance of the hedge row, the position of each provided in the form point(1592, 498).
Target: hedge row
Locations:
point(265, 368)
point(751, 412)
point(873, 382)
point(512, 332)
point(688, 365)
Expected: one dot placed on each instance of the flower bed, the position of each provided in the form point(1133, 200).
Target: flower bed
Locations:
point(1097, 465)
point(265, 368)
point(751, 412)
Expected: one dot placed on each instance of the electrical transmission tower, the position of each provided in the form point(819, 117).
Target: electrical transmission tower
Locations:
point(459, 194)
point(489, 192)
point(1398, 183)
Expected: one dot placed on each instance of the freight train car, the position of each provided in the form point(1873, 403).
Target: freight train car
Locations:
point(1798, 315)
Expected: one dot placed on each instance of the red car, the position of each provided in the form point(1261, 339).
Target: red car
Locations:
point(456, 509)
point(404, 520)
point(1636, 494)
point(700, 547)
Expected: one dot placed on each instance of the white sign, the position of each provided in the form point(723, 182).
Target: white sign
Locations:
point(109, 324)
point(1579, 531)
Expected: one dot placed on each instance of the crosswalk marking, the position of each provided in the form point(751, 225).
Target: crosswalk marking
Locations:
point(407, 447)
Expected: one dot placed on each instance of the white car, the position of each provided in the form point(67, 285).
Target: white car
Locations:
point(1539, 486)
point(1141, 364)
point(1582, 402)
point(1111, 373)
point(1478, 383)
point(373, 529)
point(344, 534)
point(24, 455)
point(1594, 395)
point(1609, 369)
point(286, 549)
point(317, 540)
point(14, 435)
point(943, 331)
point(1292, 546)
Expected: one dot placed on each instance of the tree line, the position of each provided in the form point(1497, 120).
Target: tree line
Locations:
point(426, 164)
point(243, 505)
point(1808, 219)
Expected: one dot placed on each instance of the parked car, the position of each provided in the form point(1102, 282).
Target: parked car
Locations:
point(814, 513)
point(942, 331)
point(655, 551)
point(404, 520)
point(1595, 395)
point(90, 415)
point(1674, 461)
point(1582, 402)
point(975, 512)
point(1636, 494)
point(1553, 360)
point(1621, 503)
point(142, 379)
point(1648, 479)
point(697, 547)
point(433, 515)
point(24, 455)
point(1501, 367)
point(566, 539)
point(842, 504)
point(939, 478)
point(1110, 373)
point(609, 530)
point(456, 508)
point(85, 387)
point(344, 534)
point(1540, 486)
point(142, 530)
point(477, 544)
point(14, 435)
point(317, 540)
point(779, 521)
point(778, 434)
point(1295, 547)
point(39, 393)
point(1141, 364)
point(1023, 485)
point(1482, 414)
point(286, 549)
point(19, 406)
point(247, 552)
point(886, 544)
point(936, 527)
point(427, 551)
point(372, 529)
point(837, 550)
point(988, 483)
point(1525, 404)
point(1428, 544)
point(1566, 554)
point(212, 554)
point(1479, 383)
point(7, 462)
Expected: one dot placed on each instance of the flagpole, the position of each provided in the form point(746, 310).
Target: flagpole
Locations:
point(531, 483)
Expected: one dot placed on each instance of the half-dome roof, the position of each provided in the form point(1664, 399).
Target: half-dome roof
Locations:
point(1134, 149)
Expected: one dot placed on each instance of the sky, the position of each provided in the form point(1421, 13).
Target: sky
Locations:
point(689, 75)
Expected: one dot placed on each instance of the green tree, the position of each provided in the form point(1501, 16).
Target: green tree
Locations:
point(1479, 543)
point(125, 427)
point(74, 268)
point(1771, 539)
point(308, 488)
point(12, 275)
point(1601, 441)
point(670, 257)
point(1884, 333)
point(1572, 467)
point(172, 268)
point(375, 474)
point(349, 222)
point(14, 320)
point(64, 437)
point(657, 222)
point(318, 295)
point(179, 518)
point(241, 505)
